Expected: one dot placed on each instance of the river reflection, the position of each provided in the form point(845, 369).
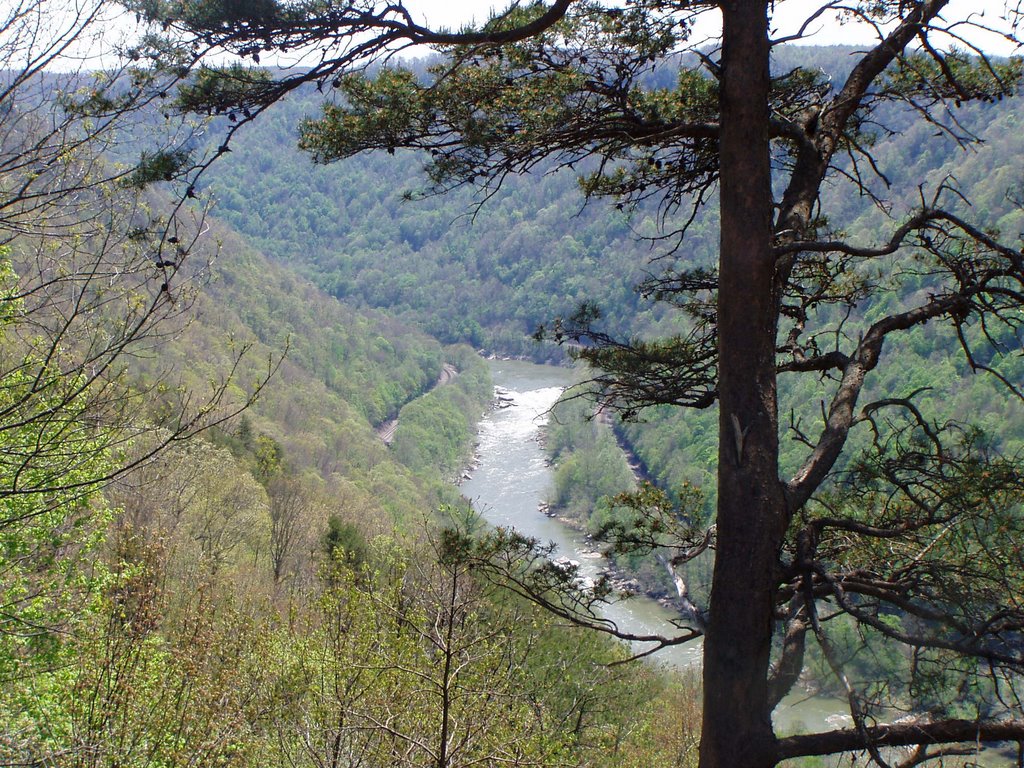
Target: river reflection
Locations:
point(513, 478)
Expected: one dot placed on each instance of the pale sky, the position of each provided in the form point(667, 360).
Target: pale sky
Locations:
point(789, 14)
point(788, 17)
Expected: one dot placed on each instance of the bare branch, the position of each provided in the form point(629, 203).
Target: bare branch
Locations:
point(901, 735)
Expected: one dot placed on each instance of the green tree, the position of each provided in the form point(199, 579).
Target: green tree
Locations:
point(409, 660)
point(914, 538)
point(344, 542)
point(94, 273)
point(96, 270)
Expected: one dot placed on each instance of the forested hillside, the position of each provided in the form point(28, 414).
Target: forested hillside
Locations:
point(489, 272)
point(208, 555)
point(486, 275)
point(274, 588)
point(342, 373)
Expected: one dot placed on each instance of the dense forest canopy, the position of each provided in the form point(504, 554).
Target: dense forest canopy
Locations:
point(533, 252)
point(428, 265)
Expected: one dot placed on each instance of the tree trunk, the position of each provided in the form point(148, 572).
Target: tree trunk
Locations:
point(737, 727)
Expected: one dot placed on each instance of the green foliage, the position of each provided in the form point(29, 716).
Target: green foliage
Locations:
point(590, 467)
point(436, 431)
point(353, 233)
point(960, 77)
point(168, 621)
point(215, 90)
point(413, 661)
point(344, 543)
point(369, 652)
point(344, 372)
point(51, 514)
point(53, 453)
point(162, 165)
point(132, 690)
point(574, 91)
point(386, 113)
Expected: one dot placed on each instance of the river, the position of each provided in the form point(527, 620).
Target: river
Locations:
point(513, 477)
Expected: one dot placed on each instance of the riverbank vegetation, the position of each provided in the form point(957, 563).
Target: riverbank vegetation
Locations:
point(590, 468)
point(437, 431)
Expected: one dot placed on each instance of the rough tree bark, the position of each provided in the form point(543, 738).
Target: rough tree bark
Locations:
point(737, 727)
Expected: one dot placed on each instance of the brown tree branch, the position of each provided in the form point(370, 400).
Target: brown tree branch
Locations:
point(842, 416)
point(900, 735)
